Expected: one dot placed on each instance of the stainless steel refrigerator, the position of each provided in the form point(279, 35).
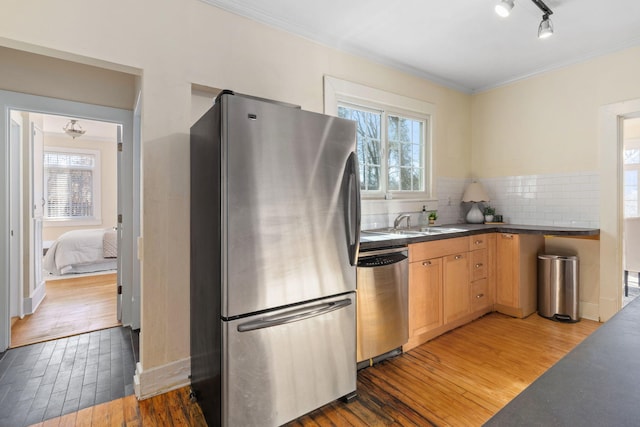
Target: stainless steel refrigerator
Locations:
point(275, 219)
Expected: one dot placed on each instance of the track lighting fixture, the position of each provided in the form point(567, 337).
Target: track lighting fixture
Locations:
point(545, 29)
point(503, 8)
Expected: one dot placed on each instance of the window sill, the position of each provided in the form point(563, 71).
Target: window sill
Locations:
point(72, 222)
point(382, 206)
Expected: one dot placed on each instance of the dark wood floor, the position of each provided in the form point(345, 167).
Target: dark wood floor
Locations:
point(459, 379)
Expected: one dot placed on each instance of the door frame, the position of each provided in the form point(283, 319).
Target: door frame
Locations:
point(611, 225)
point(131, 171)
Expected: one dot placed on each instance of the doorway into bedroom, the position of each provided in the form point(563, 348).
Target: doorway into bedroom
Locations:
point(68, 194)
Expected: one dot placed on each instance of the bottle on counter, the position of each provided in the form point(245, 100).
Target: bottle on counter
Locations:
point(424, 217)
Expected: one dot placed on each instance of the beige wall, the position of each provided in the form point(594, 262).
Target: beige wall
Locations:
point(34, 74)
point(549, 123)
point(177, 43)
point(632, 128)
point(108, 181)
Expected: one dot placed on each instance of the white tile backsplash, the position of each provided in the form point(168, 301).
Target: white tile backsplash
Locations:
point(382, 213)
point(449, 192)
point(565, 200)
point(568, 199)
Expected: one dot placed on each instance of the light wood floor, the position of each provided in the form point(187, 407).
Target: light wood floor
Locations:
point(459, 379)
point(72, 306)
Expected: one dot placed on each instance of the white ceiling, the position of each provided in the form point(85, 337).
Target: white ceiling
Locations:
point(462, 44)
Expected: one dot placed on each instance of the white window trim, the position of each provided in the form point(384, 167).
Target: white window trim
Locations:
point(97, 185)
point(337, 90)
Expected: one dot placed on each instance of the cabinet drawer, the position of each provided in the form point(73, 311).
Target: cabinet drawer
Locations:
point(478, 241)
point(478, 264)
point(480, 297)
point(438, 248)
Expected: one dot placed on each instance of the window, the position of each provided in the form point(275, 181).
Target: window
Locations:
point(403, 141)
point(71, 184)
point(392, 138)
point(631, 181)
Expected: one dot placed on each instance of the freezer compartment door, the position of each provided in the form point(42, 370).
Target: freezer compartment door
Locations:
point(282, 364)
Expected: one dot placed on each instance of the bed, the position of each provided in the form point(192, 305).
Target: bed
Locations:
point(82, 251)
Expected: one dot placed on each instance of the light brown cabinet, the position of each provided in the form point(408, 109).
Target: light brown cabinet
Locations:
point(516, 265)
point(457, 290)
point(445, 279)
point(425, 296)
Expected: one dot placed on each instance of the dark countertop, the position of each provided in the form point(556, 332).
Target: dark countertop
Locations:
point(368, 241)
point(596, 384)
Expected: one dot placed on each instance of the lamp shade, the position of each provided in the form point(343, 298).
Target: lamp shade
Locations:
point(475, 192)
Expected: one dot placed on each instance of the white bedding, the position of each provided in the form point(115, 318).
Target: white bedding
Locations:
point(80, 251)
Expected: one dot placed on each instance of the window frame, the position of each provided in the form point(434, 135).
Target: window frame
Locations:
point(96, 218)
point(340, 92)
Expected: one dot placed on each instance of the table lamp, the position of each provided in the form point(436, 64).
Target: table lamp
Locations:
point(475, 194)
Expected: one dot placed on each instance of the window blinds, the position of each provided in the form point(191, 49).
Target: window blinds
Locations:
point(69, 184)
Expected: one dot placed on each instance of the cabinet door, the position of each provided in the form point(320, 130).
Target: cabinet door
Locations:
point(456, 286)
point(508, 270)
point(425, 296)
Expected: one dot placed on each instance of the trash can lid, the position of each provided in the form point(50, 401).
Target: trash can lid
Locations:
point(550, 256)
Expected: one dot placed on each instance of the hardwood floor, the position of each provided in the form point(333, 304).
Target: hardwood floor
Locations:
point(72, 306)
point(460, 378)
point(170, 409)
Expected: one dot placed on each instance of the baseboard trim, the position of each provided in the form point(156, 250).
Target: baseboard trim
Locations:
point(161, 379)
point(589, 311)
point(31, 304)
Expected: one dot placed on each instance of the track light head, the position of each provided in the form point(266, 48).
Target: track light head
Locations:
point(503, 8)
point(545, 30)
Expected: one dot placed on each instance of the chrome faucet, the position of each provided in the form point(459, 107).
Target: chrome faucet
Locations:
point(399, 219)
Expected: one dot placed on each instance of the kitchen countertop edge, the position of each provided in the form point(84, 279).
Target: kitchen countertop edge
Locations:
point(473, 229)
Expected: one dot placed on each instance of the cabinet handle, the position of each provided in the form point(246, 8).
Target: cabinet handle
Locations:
point(478, 265)
point(426, 263)
point(479, 296)
point(458, 257)
point(478, 242)
point(507, 236)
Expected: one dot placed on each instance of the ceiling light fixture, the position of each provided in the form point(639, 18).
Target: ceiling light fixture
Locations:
point(503, 8)
point(73, 129)
point(546, 27)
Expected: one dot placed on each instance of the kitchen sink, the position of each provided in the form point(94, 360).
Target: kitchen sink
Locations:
point(440, 230)
point(409, 232)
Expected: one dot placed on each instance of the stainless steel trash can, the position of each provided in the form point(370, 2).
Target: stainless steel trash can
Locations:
point(558, 287)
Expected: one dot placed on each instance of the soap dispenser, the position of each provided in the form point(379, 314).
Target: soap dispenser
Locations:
point(424, 217)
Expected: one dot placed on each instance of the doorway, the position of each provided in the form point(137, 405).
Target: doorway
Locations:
point(69, 184)
point(14, 300)
point(631, 209)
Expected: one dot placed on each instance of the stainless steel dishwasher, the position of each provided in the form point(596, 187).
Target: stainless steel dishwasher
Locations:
point(382, 303)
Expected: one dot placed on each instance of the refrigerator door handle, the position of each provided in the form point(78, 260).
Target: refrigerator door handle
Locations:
point(353, 208)
point(294, 315)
